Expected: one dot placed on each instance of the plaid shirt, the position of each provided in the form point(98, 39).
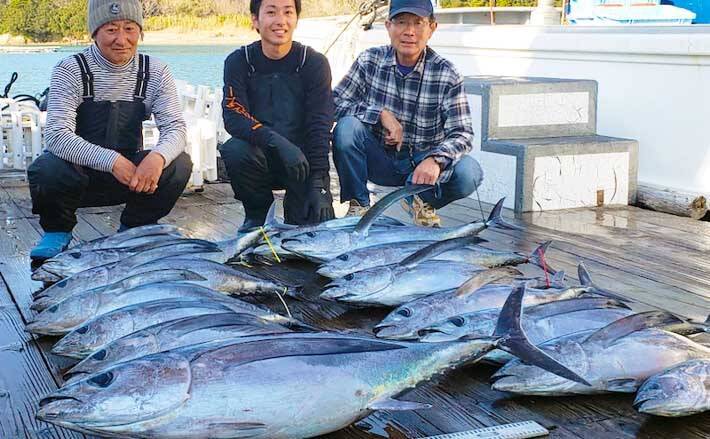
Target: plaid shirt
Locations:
point(442, 125)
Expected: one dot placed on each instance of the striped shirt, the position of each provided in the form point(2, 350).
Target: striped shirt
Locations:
point(439, 124)
point(111, 83)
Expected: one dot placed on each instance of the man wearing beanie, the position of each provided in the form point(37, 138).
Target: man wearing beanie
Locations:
point(98, 100)
point(278, 107)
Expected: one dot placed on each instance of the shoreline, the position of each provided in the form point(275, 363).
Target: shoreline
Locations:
point(168, 37)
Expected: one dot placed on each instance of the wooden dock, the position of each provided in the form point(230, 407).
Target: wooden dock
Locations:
point(655, 259)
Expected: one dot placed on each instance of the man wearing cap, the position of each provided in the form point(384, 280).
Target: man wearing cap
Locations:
point(278, 107)
point(403, 118)
point(98, 100)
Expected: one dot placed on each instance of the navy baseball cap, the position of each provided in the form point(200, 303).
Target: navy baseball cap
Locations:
point(422, 8)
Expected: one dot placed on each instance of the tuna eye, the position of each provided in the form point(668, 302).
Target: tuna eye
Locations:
point(344, 257)
point(102, 380)
point(457, 321)
point(100, 355)
point(62, 284)
point(350, 277)
point(311, 234)
point(83, 330)
point(75, 255)
point(405, 312)
point(53, 309)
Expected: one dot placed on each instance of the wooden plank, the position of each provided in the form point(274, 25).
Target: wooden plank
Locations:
point(24, 377)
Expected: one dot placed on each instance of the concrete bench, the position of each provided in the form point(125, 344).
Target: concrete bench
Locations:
point(536, 140)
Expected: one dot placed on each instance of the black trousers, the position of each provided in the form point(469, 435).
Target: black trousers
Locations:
point(59, 188)
point(254, 174)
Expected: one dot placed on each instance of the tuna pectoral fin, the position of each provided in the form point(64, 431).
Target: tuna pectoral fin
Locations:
point(623, 385)
point(628, 325)
point(484, 278)
point(436, 249)
point(395, 405)
point(233, 430)
point(512, 338)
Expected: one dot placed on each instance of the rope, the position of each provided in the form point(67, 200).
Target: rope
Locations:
point(544, 267)
point(366, 8)
point(480, 206)
point(271, 246)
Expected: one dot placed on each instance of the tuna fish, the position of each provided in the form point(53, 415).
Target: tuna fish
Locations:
point(190, 392)
point(616, 358)
point(393, 253)
point(476, 294)
point(72, 312)
point(324, 245)
point(416, 276)
point(105, 328)
point(131, 237)
point(195, 248)
point(171, 335)
point(682, 390)
point(213, 275)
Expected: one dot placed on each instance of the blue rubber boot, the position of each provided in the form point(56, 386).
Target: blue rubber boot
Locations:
point(51, 244)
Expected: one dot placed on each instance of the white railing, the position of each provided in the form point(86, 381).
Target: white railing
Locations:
point(22, 131)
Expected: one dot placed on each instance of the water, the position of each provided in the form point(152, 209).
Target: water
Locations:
point(194, 64)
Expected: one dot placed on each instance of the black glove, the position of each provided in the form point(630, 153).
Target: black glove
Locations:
point(291, 156)
point(319, 201)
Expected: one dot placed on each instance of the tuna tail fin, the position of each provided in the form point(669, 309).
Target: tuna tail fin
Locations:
point(512, 338)
point(273, 224)
point(376, 211)
point(496, 220)
point(586, 280)
point(537, 257)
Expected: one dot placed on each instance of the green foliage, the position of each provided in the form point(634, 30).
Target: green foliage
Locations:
point(191, 22)
point(44, 20)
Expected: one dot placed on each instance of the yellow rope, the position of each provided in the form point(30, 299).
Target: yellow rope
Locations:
point(271, 247)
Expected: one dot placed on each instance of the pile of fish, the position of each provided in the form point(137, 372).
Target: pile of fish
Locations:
point(167, 348)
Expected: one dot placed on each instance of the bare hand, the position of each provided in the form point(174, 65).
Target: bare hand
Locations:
point(123, 170)
point(427, 172)
point(393, 129)
point(145, 179)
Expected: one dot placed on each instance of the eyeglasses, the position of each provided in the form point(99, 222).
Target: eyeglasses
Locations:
point(418, 24)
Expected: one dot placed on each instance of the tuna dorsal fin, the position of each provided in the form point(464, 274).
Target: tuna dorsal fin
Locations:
point(436, 249)
point(512, 338)
point(484, 278)
point(396, 405)
point(375, 211)
point(628, 325)
point(571, 305)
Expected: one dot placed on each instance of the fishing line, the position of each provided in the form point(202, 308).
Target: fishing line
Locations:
point(271, 247)
point(480, 206)
point(288, 311)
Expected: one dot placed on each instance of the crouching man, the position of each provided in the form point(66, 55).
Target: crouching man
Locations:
point(403, 119)
point(278, 107)
point(98, 101)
